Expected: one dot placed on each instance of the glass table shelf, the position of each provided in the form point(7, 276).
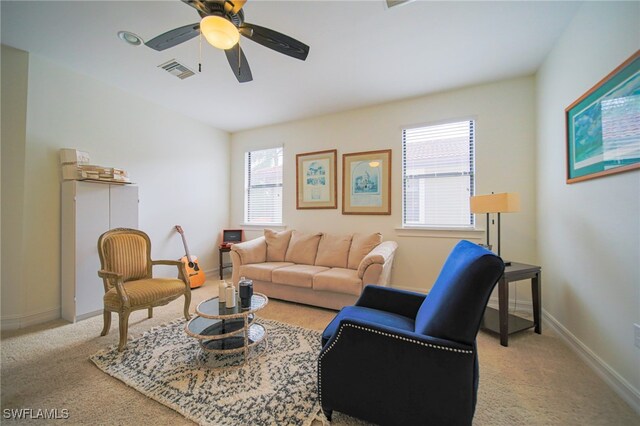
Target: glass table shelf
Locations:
point(223, 329)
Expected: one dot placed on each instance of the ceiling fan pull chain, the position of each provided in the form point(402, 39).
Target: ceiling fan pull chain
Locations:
point(239, 59)
point(200, 52)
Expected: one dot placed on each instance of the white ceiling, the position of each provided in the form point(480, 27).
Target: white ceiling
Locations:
point(361, 52)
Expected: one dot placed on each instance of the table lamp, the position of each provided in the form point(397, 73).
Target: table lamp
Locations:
point(505, 202)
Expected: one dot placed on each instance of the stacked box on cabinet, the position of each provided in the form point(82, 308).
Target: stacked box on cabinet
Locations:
point(75, 166)
point(70, 159)
point(74, 156)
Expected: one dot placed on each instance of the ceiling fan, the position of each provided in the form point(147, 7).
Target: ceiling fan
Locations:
point(222, 23)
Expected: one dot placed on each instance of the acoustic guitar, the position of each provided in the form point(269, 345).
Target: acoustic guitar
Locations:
point(194, 273)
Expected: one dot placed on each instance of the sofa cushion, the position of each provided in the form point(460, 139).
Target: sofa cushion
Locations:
point(296, 275)
point(277, 243)
point(338, 280)
point(333, 250)
point(361, 245)
point(261, 271)
point(367, 314)
point(303, 248)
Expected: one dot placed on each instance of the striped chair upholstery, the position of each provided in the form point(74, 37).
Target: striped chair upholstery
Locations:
point(129, 285)
point(127, 254)
point(145, 292)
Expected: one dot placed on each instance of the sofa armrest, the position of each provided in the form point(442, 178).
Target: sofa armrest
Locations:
point(401, 302)
point(252, 251)
point(381, 255)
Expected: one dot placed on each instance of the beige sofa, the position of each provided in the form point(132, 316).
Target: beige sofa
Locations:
point(318, 269)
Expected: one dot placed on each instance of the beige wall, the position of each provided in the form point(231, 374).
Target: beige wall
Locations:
point(15, 68)
point(180, 165)
point(505, 118)
point(589, 232)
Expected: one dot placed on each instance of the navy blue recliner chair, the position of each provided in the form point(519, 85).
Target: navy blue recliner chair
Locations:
point(402, 358)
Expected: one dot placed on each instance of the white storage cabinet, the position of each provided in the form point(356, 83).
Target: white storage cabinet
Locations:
point(88, 210)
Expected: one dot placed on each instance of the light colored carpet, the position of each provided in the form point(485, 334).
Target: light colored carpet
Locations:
point(278, 387)
point(537, 380)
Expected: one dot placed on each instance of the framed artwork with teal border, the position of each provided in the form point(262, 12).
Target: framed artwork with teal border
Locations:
point(603, 126)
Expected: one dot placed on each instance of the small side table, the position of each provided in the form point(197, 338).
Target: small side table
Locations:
point(222, 265)
point(501, 321)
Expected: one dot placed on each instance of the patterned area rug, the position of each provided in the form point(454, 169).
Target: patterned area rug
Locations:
point(276, 388)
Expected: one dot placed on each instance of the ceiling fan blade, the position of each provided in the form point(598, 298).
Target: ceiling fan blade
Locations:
point(234, 6)
point(275, 40)
point(200, 6)
point(239, 64)
point(209, 7)
point(174, 37)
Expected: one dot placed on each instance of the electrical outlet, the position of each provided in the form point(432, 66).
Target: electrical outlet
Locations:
point(636, 329)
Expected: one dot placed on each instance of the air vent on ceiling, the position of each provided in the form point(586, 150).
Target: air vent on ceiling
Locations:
point(393, 3)
point(174, 67)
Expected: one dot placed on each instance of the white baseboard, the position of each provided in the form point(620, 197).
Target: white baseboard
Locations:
point(619, 384)
point(14, 322)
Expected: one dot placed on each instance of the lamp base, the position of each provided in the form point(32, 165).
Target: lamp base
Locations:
point(507, 262)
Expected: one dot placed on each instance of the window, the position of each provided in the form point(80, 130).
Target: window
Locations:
point(438, 175)
point(263, 186)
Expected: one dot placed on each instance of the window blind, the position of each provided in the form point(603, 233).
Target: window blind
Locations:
point(438, 174)
point(263, 189)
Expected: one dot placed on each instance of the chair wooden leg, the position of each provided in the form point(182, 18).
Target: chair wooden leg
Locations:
point(107, 322)
point(150, 312)
point(187, 302)
point(124, 329)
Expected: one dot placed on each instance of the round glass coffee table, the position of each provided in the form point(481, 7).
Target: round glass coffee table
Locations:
point(221, 329)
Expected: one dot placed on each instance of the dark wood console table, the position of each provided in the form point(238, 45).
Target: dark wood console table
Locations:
point(501, 321)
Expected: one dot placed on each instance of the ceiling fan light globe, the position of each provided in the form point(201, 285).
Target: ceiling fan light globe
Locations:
point(219, 32)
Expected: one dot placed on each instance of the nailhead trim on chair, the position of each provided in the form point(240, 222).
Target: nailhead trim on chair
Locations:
point(395, 336)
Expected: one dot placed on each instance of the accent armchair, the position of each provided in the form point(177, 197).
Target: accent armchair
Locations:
point(398, 357)
point(126, 271)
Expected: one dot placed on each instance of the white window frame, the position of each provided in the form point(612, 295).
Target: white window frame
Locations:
point(422, 225)
point(275, 221)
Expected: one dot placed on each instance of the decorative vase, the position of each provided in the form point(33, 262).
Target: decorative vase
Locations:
point(230, 296)
point(222, 291)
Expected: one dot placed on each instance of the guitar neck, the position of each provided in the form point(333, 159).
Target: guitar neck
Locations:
point(186, 247)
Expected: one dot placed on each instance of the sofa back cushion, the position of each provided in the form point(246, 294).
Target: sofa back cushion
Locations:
point(361, 245)
point(455, 305)
point(333, 250)
point(277, 243)
point(302, 248)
